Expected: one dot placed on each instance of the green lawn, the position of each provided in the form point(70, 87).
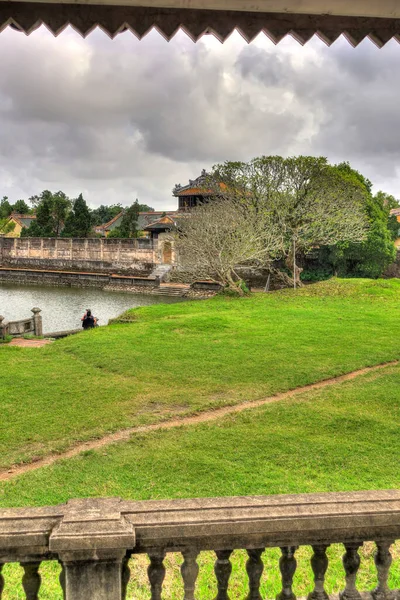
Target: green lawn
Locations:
point(178, 359)
point(343, 437)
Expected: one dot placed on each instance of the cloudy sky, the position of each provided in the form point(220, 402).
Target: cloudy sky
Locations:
point(123, 119)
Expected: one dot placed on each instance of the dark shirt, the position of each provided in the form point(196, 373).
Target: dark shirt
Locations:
point(88, 322)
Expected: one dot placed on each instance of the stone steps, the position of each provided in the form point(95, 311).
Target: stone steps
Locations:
point(171, 291)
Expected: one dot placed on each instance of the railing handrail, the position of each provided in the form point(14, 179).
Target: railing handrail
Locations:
point(208, 523)
point(93, 540)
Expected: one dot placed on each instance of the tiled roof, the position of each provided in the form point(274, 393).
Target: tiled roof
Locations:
point(196, 187)
point(395, 211)
point(162, 224)
point(145, 218)
point(379, 25)
point(22, 220)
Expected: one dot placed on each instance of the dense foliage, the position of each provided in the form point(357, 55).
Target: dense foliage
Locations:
point(369, 258)
point(6, 208)
point(291, 204)
point(129, 223)
point(58, 215)
point(79, 220)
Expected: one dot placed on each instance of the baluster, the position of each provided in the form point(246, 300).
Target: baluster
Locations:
point(223, 570)
point(254, 568)
point(319, 565)
point(189, 570)
point(287, 565)
point(31, 580)
point(125, 577)
point(1, 580)
point(156, 573)
point(383, 560)
point(351, 564)
point(61, 579)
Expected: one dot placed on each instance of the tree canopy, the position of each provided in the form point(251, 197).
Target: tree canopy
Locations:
point(129, 223)
point(302, 202)
point(79, 221)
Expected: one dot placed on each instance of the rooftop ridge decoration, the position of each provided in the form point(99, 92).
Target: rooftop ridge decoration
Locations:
point(195, 22)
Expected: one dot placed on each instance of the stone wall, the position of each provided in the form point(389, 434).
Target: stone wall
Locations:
point(71, 279)
point(125, 256)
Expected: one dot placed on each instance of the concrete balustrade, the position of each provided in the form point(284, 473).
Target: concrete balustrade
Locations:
point(33, 325)
point(94, 539)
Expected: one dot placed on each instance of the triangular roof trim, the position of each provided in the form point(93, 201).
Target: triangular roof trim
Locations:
point(356, 19)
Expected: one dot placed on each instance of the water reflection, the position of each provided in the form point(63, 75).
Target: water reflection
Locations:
point(62, 308)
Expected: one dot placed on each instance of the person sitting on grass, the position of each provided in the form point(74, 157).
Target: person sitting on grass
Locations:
point(88, 320)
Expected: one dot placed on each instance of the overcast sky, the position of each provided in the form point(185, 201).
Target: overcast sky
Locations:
point(123, 119)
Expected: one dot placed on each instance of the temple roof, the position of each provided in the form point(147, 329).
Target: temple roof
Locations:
point(166, 222)
point(145, 218)
point(378, 20)
point(196, 187)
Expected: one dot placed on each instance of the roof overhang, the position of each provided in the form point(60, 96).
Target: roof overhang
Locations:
point(378, 20)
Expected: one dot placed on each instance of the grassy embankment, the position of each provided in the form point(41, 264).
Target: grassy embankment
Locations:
point(343, 437)
point(179, 359)
point(189, 357)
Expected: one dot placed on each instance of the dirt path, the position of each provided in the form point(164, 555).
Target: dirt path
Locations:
point(211, 415)
point(22, 343)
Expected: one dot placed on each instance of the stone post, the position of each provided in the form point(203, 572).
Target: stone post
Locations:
point(3, 328)
point(37, 321)
point(92, 541)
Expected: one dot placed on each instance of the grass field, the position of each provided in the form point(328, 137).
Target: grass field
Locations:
point(169, 360)
point(344, 437)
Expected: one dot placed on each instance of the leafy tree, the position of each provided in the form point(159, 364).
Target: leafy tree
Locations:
point(128, 227)
point(78, 222)
point(5, 208)
point(21, 207)
point(389, 202)
point(104, 214)
point(306, 201)
point(144, 207)
point(376, 253)
point(6, 226)
point(51, 214)
point(214, 238)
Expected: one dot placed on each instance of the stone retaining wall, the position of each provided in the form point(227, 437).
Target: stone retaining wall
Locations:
point(126, 256)
point(71, 279)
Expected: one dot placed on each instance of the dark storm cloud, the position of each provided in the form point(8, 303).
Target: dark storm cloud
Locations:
point(122, 119)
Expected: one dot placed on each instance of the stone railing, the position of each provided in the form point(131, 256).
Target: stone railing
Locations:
point(93, 539)
point(32, 325)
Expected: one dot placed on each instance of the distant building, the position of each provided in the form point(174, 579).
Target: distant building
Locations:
point(145, 219)
point(21, 222)
point(194, 194)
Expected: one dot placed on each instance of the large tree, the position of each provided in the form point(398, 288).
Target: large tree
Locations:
point(213, 239)
point(79, 222)
point(377, 251)
point(129, 223)
point(104, 213)
point(5, 208)
point(51, 213)
point(21, 207)
point(308, 202)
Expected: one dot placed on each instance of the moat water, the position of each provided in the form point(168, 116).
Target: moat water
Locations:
point(62, 308)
